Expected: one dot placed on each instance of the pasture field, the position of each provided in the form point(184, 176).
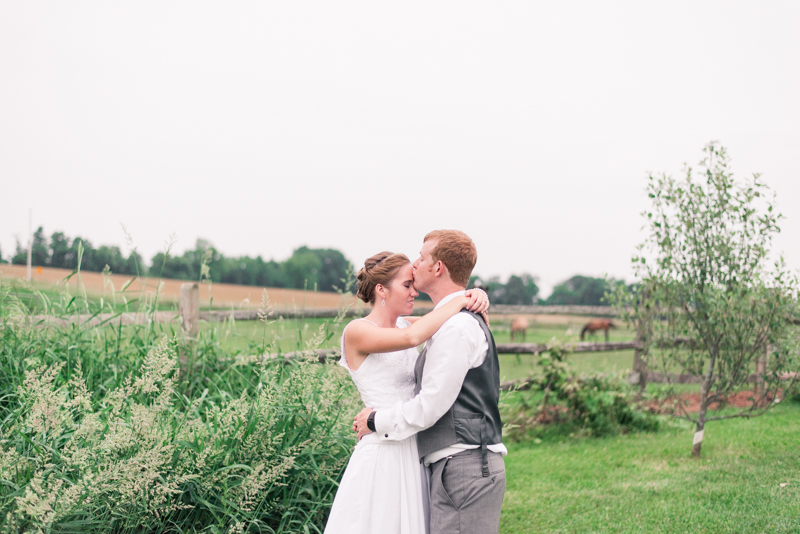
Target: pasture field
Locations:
point(292, 334)
point(565, 329)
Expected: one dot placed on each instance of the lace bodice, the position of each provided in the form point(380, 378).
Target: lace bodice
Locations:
point(384, 378)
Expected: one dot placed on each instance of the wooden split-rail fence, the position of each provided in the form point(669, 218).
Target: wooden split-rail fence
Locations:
point(190, 316)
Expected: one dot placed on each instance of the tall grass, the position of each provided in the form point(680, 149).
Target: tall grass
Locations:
point(134, 429)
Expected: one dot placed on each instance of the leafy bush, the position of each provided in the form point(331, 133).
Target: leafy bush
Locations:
point(126, 429)
point(594, 406)
point(604, 404)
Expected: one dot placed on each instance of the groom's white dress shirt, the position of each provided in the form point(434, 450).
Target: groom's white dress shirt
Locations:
point(458, 346)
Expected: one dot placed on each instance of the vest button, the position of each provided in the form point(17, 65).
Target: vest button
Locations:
point(386, 435)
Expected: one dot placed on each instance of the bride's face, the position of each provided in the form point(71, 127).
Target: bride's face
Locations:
point(401, 292)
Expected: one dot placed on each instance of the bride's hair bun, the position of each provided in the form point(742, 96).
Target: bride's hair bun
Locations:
point(378, 269)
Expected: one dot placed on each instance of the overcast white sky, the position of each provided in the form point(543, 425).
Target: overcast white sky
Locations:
point(263, 126)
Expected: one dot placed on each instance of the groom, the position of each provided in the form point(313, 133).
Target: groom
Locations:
point(454, 412)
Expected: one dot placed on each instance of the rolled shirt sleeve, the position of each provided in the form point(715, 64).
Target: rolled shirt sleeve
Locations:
point(453, 350)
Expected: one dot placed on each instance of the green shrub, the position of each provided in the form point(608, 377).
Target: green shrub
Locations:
point(561, 403)
point(605, 405)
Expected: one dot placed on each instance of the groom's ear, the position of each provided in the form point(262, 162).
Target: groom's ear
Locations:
point(441, 268)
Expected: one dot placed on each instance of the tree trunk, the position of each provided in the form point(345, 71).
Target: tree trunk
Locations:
point(697, 442)
point(640, 368)
point(761, 367)
point(644, 331)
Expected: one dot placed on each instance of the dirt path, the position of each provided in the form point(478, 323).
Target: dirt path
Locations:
point(224, 295)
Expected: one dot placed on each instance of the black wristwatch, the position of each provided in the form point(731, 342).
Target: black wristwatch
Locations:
point(371, 421)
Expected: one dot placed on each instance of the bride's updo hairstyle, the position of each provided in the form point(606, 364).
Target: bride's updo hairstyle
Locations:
point(378, 269)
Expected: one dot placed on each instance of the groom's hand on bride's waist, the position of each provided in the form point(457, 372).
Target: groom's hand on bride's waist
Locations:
point(361, 422)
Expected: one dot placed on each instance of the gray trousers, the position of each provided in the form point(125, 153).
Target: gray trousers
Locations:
point(462, 500)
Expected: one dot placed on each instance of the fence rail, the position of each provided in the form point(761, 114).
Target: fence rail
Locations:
point(322, 356)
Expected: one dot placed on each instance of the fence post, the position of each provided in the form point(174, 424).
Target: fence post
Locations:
point(190, 309)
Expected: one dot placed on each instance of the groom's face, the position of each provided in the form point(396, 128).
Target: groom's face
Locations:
point(424, 266)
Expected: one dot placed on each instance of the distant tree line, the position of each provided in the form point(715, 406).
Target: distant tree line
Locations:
point(579, 290)
point(62, 251)
point(519, 289)
point(324, 269)
point(523, 290)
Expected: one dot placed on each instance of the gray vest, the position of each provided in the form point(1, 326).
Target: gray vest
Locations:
point(474, 419)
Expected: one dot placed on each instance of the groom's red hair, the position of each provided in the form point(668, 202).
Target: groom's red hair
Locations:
point(456, 250)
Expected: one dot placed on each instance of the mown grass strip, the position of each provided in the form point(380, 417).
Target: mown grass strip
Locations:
point(648, 483)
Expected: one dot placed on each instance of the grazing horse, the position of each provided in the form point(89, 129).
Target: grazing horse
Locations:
point(519, 326)
point(597, 324)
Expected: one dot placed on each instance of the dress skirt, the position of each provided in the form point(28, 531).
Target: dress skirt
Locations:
point(381, 490)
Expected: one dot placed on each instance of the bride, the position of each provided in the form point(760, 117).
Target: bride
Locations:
point(381, 489)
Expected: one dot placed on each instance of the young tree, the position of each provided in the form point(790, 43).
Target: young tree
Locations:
point(720, 308)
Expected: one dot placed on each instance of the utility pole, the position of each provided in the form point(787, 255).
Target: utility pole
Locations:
point(30, 242)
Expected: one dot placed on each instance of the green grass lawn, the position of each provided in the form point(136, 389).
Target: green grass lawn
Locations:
point(648, 483)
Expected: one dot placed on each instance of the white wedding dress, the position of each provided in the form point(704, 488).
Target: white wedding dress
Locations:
point(381, 490)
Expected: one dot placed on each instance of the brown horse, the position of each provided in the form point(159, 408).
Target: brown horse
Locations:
point(597, 324)
point(519, 326)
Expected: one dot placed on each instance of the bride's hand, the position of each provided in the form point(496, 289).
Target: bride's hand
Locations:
point(478, 302)
point(360, 422)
